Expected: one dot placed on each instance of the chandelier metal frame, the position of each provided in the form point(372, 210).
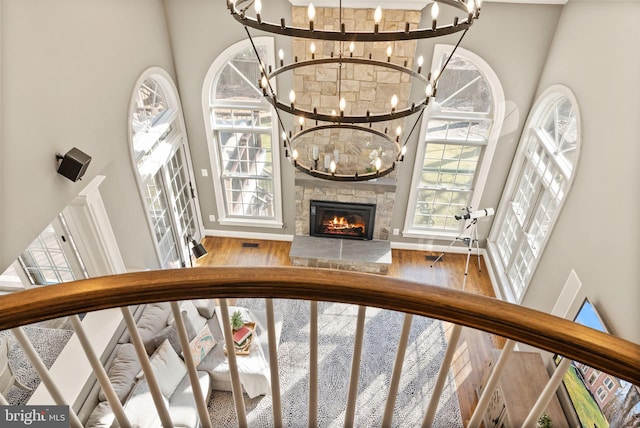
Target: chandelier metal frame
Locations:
point(338, 120)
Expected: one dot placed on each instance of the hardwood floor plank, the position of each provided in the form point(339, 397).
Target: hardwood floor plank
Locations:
point(474, 347)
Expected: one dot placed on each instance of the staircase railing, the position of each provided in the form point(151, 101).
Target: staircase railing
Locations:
point(612, 355)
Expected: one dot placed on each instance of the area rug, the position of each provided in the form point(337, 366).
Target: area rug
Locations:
point(48, 343)
point(336, 329)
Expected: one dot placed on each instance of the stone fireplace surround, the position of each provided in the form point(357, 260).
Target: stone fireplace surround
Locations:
point(380, 192)
point(369, 256)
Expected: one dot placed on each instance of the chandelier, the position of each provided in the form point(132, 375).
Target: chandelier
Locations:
point(332, 134)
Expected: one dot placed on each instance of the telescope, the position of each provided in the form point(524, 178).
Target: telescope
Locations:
point(472, 215)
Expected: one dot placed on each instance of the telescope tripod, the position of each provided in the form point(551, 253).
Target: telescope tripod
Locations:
point(469, 241)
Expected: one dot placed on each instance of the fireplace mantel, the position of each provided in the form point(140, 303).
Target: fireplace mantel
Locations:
point(378, 185)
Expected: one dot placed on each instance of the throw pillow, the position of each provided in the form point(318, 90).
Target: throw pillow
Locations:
point(170, 332)
point(202, 344)
point(206, 307)
point(122, 371)
point(168, 368)
point(197, 320)
point(154, 319)
point(140, 407)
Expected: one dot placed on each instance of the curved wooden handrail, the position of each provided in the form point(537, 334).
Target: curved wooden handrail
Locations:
point(612, 355)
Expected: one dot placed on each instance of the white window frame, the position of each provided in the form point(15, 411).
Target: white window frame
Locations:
point(210, 80)
point(175, 141)
point(544, 102)
point(496, 116)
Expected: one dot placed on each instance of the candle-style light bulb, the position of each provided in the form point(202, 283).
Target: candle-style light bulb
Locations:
point(263, 82)
point(471, 8)
point(294, 154)
point(284, 136)
point(342, 104)
point(311, 13)
point(389, 51)
point(301, 120)
point(332, 166)
point(292, 97)
point(281, 56)
point(394, 102)
point(403, 151)
point(312, 48)
point(257, 4)
point(429, 91)
point(435, 74)
point(378, 164)
point(333, 112)
point(435, 11)
point(398, 130)
point(377, 15)
point(420, 61)
point(352, 47)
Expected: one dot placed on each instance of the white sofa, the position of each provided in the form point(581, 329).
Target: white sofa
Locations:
point(158, 333)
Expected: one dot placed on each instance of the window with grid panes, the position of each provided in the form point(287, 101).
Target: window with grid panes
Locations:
point(458, 132)
point(245, 150)
point(544, 173)
point(160, 154)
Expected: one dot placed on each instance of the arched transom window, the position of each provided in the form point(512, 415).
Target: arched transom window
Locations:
point(242, 140)
point(459, 131)
point(537, 188)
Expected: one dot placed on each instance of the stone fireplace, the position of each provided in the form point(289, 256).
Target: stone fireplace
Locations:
point(370, 254)
point(379, 193)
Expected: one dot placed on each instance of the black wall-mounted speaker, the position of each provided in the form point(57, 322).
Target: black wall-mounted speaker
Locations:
point(74, 164)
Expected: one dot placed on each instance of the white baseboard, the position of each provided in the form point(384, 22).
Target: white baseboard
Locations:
point(492, 274)
point(248, 235)
point(434, 248)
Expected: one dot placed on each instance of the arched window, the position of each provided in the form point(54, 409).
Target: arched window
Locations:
point(160, 154)
point(459, 134)
point(536, 189)
point(242, 137)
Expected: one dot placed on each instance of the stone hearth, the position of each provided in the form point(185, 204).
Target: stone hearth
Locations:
point(345, 254)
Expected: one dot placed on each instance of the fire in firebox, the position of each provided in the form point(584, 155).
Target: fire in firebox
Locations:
point(352, 225)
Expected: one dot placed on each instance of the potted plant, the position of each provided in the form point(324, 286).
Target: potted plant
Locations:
point(236, 320)
point(545, 421)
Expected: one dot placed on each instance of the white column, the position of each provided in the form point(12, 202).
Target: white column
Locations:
point(89, 224)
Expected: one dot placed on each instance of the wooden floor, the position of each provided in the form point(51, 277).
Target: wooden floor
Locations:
point(474, 347)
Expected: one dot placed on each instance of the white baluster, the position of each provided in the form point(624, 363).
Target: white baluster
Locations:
point(43, 372)
point(198, 395)
point(355, 369)
point(273, 364)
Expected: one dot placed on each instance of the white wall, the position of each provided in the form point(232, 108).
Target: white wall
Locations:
point(597, 232)
point(68, 72)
